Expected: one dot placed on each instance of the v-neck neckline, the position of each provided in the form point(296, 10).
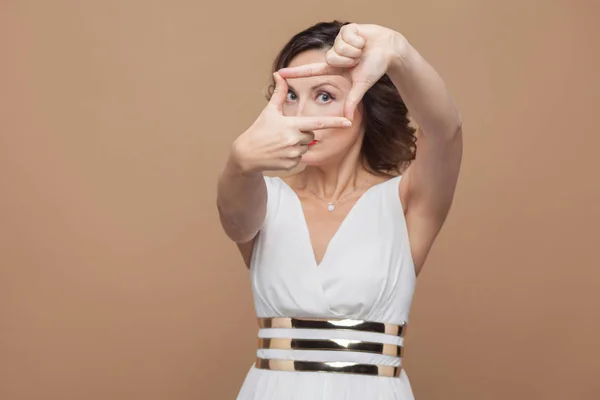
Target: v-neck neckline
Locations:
point(344, 222)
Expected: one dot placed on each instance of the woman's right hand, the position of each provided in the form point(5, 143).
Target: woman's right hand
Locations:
point(277, 142)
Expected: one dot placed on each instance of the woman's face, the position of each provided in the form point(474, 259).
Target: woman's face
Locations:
point(322, 96)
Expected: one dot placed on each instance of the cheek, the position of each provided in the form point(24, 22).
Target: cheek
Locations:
point(342, 136)
point(335, 108)
point(347, 134)
point(332, 109)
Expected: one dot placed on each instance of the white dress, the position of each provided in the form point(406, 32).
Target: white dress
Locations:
point(367, 273)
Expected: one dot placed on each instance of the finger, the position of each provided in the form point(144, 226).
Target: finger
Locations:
point(302, 148)
point(280, 93)
point(354, 97)
point(337, 60)
point(296, 137)
point(306, 137)
point(290, 163)
point(315, 69)
point(295, 151)
point(351, 36)
point(316, 123)
point(345, 49)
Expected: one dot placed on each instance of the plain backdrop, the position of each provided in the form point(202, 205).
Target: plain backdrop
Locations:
point(116, 280)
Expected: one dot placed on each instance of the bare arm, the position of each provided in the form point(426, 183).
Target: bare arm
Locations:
point(429, 183)
point(424, 93)
point(241, 201)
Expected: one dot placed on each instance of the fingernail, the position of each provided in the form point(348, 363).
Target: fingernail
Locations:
point(347, 123)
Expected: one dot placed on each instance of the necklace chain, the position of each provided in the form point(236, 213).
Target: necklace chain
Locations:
point(331, 204)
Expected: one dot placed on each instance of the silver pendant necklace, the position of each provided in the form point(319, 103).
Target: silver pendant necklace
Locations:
point(331, 204)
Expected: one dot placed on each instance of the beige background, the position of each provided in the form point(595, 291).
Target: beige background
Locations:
point(116, 281)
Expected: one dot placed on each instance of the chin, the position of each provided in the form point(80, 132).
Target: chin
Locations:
point(314, 159)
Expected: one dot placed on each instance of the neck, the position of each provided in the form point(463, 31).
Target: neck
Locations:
point(338, 179)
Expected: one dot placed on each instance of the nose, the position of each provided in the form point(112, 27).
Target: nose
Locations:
point(310, 107)
point(301, 109)
point(302, 106)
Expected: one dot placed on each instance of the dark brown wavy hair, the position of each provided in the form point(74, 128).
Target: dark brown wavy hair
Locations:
point(389, 144)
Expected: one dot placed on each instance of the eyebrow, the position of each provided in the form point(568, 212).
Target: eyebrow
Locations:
point(319, 85)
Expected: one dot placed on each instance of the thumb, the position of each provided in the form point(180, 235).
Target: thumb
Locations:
point(280, 92)
point(355, 95)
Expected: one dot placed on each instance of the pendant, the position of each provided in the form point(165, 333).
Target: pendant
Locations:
point(330, 207)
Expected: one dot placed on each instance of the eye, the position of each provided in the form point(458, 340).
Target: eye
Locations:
point(325, 97)
point(291, 95)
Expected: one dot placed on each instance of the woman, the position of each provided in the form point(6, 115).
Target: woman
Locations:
point(334, 249)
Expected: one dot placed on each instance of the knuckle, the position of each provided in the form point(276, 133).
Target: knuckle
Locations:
point(286, 138)
point(296, 152)
point(330, 56)
point(291, 139)
point(319, 124)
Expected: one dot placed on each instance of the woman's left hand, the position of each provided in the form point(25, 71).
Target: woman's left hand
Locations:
point(365, 52)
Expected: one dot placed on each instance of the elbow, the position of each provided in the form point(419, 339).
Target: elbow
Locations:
point(444, 129)
point(457, 129)
point(456, 126)
point(448, 133)
point(453, 130)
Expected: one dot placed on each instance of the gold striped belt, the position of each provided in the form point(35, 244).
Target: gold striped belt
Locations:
point(332, 366)
point(328, 323)
point(331, 345)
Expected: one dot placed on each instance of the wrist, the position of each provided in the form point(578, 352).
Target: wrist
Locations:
point(400, 54)
point(237, 163)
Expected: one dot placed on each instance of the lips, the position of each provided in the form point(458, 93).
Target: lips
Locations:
point(313, 142)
